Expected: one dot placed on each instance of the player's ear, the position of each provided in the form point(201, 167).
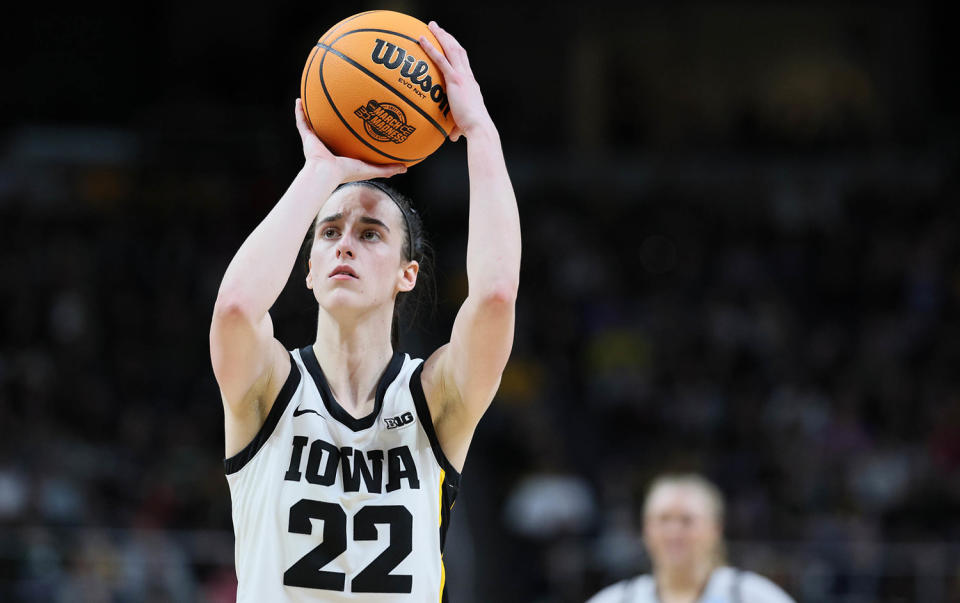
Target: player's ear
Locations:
point(309, 274)
point(408, 276)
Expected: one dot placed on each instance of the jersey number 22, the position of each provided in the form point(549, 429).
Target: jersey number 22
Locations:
point(376, 577)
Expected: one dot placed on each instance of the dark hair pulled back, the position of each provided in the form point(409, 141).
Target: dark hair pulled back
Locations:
point(416, 247)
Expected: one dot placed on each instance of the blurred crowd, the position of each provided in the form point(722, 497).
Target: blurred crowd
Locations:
point(740, 258)
point(808, 366)
point(810, 369)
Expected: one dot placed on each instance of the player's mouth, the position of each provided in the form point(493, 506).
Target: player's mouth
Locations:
point(343, 272)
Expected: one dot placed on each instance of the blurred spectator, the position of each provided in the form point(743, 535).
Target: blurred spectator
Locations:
point(683, 532)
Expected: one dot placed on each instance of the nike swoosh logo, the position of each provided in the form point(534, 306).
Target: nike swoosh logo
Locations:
point(297, 412)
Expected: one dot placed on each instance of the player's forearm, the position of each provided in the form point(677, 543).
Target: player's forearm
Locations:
point(260, 269)
point(493, 246)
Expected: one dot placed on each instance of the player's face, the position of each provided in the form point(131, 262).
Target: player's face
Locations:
point(356, 259)
point(679, 527)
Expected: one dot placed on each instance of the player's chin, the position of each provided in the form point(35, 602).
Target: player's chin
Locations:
point(345, 296)
point(339, 295)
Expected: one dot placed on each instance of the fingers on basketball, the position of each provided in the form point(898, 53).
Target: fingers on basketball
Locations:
point(302, 124)
point(456, 54)
point(437, 57)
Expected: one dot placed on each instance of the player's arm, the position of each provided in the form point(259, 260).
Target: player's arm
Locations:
point(250, 365)
point(461, 378)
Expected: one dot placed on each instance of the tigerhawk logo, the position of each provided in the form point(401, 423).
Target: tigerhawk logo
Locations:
point(415, 71)
point(384, 122)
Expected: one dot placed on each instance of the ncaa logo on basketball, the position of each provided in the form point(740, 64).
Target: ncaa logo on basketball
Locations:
point(384, 122)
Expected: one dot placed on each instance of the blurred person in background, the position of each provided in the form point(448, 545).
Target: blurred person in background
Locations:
point(683, 533)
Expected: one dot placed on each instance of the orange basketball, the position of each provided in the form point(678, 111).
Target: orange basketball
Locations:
point(371, 92)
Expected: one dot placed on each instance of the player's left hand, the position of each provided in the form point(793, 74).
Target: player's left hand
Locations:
point(463, 92)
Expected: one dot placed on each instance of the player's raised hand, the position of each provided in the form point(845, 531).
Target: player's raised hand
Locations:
point(345, 168)
point(463, 92)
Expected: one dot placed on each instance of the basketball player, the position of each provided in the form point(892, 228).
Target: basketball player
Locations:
point(683, 532)
point(344, 456)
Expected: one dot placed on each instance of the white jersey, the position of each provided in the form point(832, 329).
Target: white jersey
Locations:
point(726, 585)
point(327, 507)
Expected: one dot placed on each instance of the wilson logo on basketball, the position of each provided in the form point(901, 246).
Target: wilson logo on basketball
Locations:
point(384, 122)
point(392, 56)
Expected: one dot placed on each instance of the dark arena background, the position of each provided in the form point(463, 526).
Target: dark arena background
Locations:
point(741, 258)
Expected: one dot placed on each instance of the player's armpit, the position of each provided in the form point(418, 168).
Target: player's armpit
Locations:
point(454, 421)
point(243, 418)
point(241, 350)
point(453, 431)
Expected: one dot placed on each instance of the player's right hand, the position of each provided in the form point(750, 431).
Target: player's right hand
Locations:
point(346, 169)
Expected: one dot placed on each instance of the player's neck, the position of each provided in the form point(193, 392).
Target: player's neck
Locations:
point(353, 355)
point(683, 585)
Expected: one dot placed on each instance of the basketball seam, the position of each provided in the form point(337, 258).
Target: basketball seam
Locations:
point(377, 30)
point(376, 77)
point(333, 106)
point(383, 83)
point(345, 21)
point(303, 87)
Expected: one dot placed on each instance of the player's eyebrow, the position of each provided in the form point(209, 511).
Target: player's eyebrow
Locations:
point(363, 220)
point(369, 220)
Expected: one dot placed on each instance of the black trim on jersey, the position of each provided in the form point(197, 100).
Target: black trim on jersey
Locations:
point(451, 482)
point(333, 407)
point(423, 411)
point(236, 462)
point(450, 488)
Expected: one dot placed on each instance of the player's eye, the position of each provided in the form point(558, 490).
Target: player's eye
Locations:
point(370, 235)
point(328, 233)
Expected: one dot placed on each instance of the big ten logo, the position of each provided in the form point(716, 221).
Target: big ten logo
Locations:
point(399, 421)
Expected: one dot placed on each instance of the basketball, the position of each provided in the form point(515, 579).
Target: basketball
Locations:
point(370, 91)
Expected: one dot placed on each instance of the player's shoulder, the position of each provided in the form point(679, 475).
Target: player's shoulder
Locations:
point(631, 589)
point(410, 362)
point(755, 588)
point(403, 373)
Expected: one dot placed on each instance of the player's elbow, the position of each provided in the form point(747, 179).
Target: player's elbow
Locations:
point(501, 295)
point(231, 307)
